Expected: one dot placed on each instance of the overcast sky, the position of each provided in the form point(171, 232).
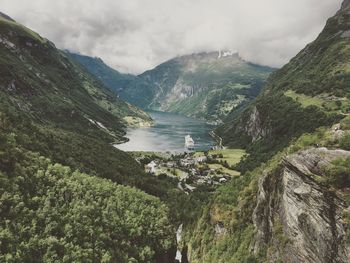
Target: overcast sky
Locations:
point(136, 35)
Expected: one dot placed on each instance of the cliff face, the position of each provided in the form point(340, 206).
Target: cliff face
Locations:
point(297, 219)
point(345, 4)
point(254, 127)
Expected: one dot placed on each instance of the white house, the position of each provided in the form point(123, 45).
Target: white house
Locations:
point(223, 180)
point(151, 167)
point(200, 159)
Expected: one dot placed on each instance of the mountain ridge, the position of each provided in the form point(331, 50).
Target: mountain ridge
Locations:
point(206, 85)
point(6, 17)
point(308, 92)
point(112, 78)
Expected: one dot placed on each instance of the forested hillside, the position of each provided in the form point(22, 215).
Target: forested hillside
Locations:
point(50, 213)
point(57, 127)
point(63, 112)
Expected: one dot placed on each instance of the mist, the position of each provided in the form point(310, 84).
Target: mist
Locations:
point(135, 35)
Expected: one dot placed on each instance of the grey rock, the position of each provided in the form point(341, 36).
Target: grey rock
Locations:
point(308, 214)
point(346, 34)
point(254, 127)
point(11, 86)
point(345, 5)
point(220, 229)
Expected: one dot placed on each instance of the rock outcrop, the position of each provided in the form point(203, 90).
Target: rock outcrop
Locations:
point(345, 5)
point(254, 127)
point(297, 219)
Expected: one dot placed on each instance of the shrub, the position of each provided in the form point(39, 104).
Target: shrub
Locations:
point(338, 174)
point(344, 142)
point(345, 123)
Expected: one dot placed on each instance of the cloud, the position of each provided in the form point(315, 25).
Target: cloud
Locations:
point(136, 35)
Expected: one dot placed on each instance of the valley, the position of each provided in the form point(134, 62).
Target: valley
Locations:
point(206, 85)
point(167, 134)
point(94, 166)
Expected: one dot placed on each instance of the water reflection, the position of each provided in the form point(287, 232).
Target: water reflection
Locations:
point(168, 134)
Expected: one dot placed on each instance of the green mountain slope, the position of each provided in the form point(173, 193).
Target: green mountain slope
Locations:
point(291, 203)
point(310, 91)
point(60, 110)
point(204, 85)
point(60, 104)
point(62, 198)
point(50, 213)
point(113, 79)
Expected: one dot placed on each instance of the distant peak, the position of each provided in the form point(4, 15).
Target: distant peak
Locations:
point(6, 17)
point(226, 53)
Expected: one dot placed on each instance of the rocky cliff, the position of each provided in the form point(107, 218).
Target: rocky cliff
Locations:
point(298, 219)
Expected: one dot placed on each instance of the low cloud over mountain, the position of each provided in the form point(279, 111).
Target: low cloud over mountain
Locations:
point(136, 35)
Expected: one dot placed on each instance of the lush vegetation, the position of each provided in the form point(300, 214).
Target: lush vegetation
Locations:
point(282, 118)
point(224, 231)
point(58, 109)
point(338, 174)
point(50, 213)
point(324, 102)
point(52, 111)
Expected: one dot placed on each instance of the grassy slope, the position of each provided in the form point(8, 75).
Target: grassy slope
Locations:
point(230, 156)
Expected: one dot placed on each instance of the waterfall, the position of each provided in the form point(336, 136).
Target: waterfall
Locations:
point(178, 240)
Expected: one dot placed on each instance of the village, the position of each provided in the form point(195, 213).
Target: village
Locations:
point(193, 169)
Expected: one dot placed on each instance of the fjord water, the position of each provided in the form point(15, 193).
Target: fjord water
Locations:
point(168, 134)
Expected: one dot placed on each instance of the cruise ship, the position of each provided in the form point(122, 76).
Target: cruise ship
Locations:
point(189, 143)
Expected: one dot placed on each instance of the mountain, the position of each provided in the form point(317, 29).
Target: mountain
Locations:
point(291, 203)
point(68, 195)
point(112, 79)
point(59, 109)
point(204, 85)
point(310, 91)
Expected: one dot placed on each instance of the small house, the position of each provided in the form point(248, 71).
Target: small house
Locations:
point(151, 167)
point(223, 180)
point(200, 159)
